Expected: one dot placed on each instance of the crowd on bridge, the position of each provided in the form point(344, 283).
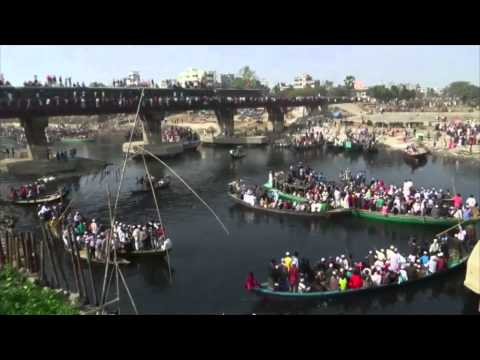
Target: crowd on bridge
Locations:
point(378, 268)
point(11, 100)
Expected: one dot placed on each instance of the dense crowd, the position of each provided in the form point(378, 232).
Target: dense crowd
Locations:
point(28, 191)
point(174, 134)
point(91, 235)
point(378, 268)
point(356, 192)
point(458, 134)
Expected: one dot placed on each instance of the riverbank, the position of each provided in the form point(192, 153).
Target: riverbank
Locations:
point(20, 295)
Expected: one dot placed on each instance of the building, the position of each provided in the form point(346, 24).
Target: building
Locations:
point(284, 86)
point(168, 83)
point(303, 81)
point(226, 80)
point(360, 90)
point(196, 78)
point(133, 78)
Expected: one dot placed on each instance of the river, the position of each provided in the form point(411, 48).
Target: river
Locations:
point(209, 266)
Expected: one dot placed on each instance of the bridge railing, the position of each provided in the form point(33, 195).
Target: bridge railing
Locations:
point(34, 101)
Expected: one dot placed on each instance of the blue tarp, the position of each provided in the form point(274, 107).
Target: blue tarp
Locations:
point(337, 115)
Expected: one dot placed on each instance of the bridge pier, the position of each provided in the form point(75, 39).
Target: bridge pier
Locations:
point(312, 109)
point(276, 116)
point(225, 120)
point(152, 127)
point(36, 138)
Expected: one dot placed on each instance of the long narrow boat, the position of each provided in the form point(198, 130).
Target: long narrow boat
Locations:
point(322, 214)
point(84, 256)
point(378, 216)
point(266, 292)
point(157, 185)
point(42, 199)
point(73, 140)
point(144, 253)
point(191, 145)
point(409, 219)
point(284, 196)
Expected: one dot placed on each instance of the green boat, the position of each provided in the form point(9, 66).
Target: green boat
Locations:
point(409, 219)
point(351, 146)
point(284, 196)
point(377, 216)
point(69, 140)
point(265, 292)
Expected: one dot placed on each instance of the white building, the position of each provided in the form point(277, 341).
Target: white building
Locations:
point(168, 83)
point(360, 90)
point(133, 78)
point(196, 78)
point(303, 81)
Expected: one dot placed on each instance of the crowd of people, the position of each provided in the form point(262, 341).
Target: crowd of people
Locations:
point(28, 191)
point(311, 137)
point(378, 268)
point(458, 134)
point(84, 97)
point(174, 134)
point(92, 236)
point(356, 192)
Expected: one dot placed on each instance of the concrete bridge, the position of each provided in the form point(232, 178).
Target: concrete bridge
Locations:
point(34, 105)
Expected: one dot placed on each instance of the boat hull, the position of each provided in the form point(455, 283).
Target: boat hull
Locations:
point(267, 293)
point(408, 219)
point(76, 141)
point(323, 214)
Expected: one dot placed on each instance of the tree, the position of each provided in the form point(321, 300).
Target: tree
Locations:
point(276, 89)
point(349, 82)
point(246, 79)
point(328, 84)
point(339, 91)
point(380, 92)
point(464, 90)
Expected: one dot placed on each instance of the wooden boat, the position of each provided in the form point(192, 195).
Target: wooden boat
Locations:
point(351, 146)
point(42, 199)
point(74, 140)
point(84, 256)
point(143, 253)
point(238, 152)
point(158, 185)
point(417, 153)
point(378, 216)
point(323, 214)
point(191, 145)
point(266, 292)
point(284, 196)
point(409, 219)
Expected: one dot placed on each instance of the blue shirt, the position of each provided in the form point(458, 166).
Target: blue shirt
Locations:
point(424, 259)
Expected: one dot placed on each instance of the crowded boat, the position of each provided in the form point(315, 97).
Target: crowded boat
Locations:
point(376, 196)
point(336, 274)
point(91, 235)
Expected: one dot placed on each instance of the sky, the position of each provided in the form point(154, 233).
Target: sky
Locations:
point(431, 66)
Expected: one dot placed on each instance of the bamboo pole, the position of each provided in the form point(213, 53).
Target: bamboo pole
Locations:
point(17, 251)
point(82, 277)
point(28, 255)
point(50, 255)
point(2, 254)
point(128, 290)
point(41, 246)
point(92, 282)
point(57, 257)
point(74, 265)
point(34, 252)
point(26, 263)
point(7, 248)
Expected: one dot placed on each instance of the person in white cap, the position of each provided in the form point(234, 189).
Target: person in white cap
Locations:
point(94, 227)
point(434, 247)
